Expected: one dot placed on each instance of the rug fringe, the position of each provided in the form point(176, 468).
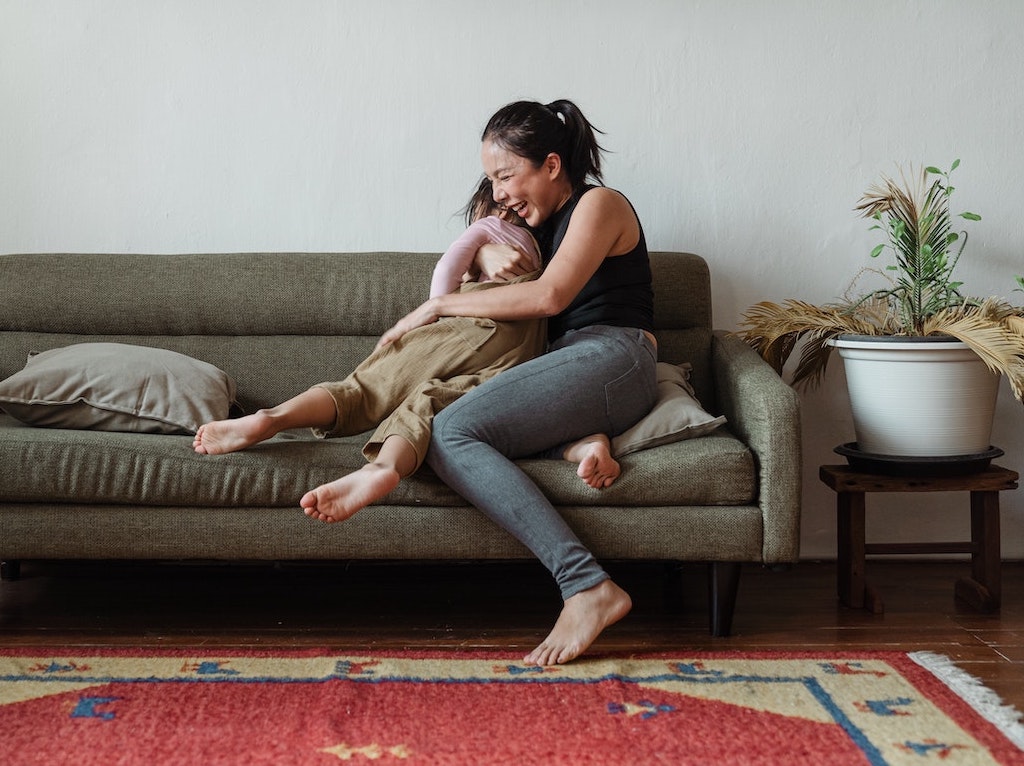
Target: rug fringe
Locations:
point(986, 702)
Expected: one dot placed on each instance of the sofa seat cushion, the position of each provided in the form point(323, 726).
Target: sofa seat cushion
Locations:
point(717, 469)
point(60, 465)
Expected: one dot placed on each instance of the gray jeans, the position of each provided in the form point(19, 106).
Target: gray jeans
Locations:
point(599, 379)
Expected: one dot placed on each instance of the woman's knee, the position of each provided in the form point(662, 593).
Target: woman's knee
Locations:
point(457, 423)
point(441, 428)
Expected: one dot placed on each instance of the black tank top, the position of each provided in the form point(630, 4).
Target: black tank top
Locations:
point(618, 294)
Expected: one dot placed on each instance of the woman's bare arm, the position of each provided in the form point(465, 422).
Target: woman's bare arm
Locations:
point(603, 225)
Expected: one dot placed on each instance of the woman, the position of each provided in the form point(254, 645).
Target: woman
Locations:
point(598, 375)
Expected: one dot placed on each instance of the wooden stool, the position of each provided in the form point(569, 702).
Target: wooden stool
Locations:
point(982, 590)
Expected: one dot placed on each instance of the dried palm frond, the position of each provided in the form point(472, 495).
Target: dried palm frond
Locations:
point(988, 330)
point(774, 330)
point(889, 197)
point(1015, 323)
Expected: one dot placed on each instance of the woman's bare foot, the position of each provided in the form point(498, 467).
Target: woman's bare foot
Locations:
point(341, 498)
point(598, 468)
point(583, 618)
point(223, 436)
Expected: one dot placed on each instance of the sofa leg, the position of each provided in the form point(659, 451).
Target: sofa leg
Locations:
point(723, 584)
point(10, 570)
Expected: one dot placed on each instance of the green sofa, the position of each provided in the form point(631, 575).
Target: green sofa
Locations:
point(277, 323)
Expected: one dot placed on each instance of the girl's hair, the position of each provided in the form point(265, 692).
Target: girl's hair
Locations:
point(533, 130)
point(482, 203)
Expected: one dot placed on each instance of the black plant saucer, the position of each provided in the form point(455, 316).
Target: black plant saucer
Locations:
point(906, 465)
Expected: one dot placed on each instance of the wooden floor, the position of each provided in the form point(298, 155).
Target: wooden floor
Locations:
point(364, 606)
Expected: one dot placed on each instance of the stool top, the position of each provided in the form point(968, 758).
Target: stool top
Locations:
point(843, 478)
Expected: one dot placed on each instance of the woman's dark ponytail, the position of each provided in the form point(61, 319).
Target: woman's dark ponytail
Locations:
point(584, 152)
point(534, 130)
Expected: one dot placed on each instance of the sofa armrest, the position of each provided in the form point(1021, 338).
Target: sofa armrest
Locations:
point(764, 412)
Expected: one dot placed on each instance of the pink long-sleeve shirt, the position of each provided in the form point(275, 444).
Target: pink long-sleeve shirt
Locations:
point(459, 256)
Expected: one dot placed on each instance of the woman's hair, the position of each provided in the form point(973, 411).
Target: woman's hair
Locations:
point(533, 130)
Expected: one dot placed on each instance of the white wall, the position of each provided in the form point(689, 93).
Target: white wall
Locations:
point(744, 131)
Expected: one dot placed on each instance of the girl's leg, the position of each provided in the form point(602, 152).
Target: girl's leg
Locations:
point(378, 385)
point(311, 409)
point(413, 418)
point(596, 380)
point(343, 497)
point(446, 349)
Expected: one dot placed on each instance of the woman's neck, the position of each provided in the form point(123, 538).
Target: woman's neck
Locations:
point(566, 196)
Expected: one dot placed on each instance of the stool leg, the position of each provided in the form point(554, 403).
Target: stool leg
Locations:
point(850, 548)
point(983, 590)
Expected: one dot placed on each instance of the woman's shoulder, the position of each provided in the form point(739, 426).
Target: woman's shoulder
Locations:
point(605, 203)
point(601, 208)
point(605, 198)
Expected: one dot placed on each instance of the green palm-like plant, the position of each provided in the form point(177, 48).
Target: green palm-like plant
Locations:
point(922, 298)
point(916, 218)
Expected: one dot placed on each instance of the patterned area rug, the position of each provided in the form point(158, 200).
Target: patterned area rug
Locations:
point(108, 706)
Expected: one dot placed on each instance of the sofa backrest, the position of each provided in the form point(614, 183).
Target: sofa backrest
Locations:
point(276, 322)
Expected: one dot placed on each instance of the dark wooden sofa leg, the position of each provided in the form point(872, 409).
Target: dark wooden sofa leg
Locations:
point(723, 584)
point(10, 570)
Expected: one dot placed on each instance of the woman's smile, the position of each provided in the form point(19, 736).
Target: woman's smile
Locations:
point(513, 179)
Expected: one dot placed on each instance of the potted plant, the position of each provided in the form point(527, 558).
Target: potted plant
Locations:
point(919, 316)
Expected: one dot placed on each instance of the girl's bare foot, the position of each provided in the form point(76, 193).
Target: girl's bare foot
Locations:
point(583, 618)
point(343, 497)
point(597, 468)
point(223, 436)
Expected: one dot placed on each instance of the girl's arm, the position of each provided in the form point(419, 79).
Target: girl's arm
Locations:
point(486, 232)
point(603, 225)
point(457, 259)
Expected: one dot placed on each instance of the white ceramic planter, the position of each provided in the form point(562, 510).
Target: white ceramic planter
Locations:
point(918, 397)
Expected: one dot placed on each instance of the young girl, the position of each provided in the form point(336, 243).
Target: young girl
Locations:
point(401, 386)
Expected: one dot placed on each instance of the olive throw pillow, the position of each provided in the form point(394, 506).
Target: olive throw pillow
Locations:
point(677, 414)
point(117, 387)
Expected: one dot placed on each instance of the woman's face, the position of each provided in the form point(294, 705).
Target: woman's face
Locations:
point(532, 193)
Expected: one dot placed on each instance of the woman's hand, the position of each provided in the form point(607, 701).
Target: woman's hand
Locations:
point(425, 314)
point(501, 263)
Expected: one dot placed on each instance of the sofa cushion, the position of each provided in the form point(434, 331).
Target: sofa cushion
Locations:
point(676, 415)
point(90, 467)
point(117, 387)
